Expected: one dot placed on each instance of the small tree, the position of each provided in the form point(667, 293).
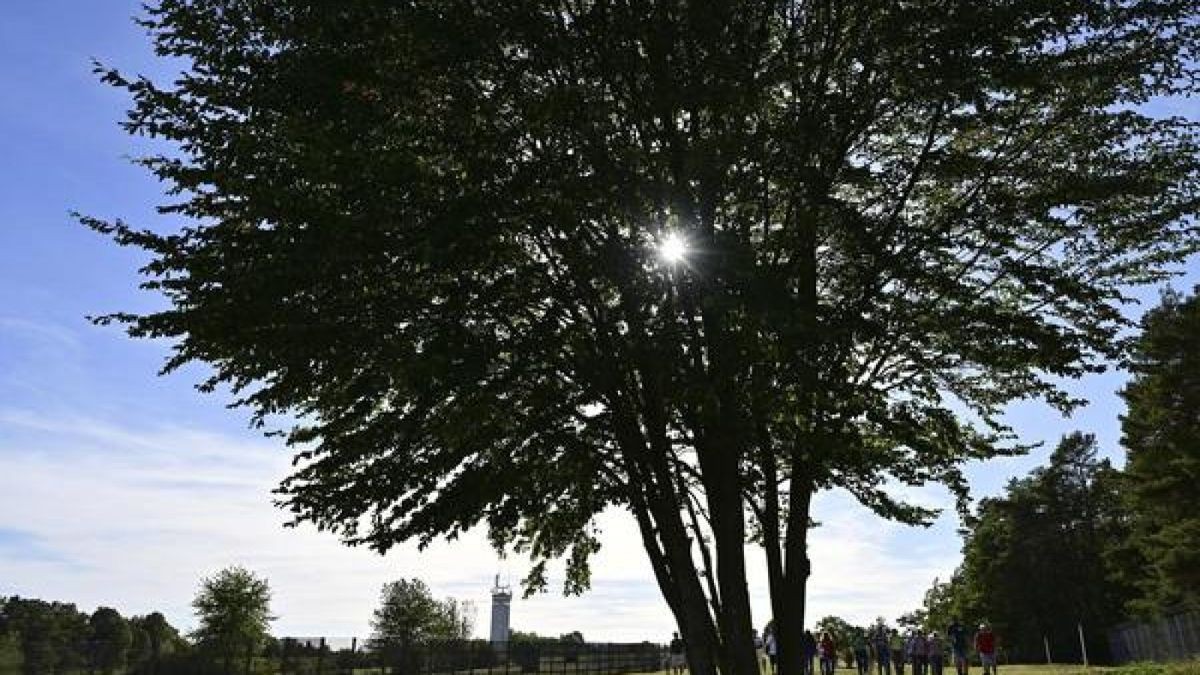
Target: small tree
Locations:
point(462, 617)
point(839, 629)
point(409, 613)
point(153, 638)
point(233, 607)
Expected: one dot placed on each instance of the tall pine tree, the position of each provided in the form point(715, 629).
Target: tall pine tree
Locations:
point(1161, 432)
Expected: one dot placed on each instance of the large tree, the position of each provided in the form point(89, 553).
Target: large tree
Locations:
point(433, 233)
point(233, 608)
point(1161, 432)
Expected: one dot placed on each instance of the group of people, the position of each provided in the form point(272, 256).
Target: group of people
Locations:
point(889, 651)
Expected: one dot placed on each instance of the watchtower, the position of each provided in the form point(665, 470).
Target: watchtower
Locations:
point(501, 603)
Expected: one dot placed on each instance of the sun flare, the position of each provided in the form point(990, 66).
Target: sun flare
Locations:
point(672, 248)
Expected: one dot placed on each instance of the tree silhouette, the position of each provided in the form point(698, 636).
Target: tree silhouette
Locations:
point(516, 263)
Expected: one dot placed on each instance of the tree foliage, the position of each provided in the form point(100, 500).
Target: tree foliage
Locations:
point(41, 638)
point(154, 639)
point(233, 608)
point(429, 230)
point(843, 633)
point(109, 641)
point(1036, 564)
point(408, 613)
point(52, 636)
point(1080, 542)
point(1161, 432)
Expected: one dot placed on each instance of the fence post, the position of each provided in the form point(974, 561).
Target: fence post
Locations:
point(1082, 645)
point(1046, 642)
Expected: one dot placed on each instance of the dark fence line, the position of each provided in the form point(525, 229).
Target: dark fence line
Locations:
point(305, 656)
point(351, 656)
point(1175, 637)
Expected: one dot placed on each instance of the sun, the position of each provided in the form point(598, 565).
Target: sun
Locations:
point(673, 248)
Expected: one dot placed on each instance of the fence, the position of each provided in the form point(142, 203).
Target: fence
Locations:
point(324, 656)
point(349, 656)
point(1174, 637)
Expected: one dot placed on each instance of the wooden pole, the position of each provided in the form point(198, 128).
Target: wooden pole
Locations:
point(1046, 642)
point(1082, 645)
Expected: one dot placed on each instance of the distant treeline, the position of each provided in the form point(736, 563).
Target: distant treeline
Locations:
point(39, 637)
point(1079, 542)
point(232, 636)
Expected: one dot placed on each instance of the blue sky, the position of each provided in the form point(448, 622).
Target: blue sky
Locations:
point(121, 488)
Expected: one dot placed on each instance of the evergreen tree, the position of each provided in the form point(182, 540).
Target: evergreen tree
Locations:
point(1161, 433)
point(1036, 564)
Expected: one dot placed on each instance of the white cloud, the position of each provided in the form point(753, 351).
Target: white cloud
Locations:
point(135, 516)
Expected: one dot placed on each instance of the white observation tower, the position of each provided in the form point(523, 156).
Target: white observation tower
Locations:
point(501, 601)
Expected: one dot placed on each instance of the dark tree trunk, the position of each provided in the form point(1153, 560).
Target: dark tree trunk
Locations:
point(773, 548)
point(720, 466)
point(670, 556)
point(729, 529)
point(657, 509)
point(789, 572)
point(795, 573)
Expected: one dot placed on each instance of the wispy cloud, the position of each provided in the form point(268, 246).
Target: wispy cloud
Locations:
point(27, 547)
point(123, 506)
point(39, 331)
point(150, 510)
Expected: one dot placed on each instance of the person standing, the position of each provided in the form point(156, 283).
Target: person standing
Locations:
point(676, 657)
point(985, 646)
point(916, 652)
point(883, 650)
point(827, 650)
point(958, 647)
point(810, 652)
point(861, 653)
point(933, 653)
point(771, 647)
point(896, 642)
